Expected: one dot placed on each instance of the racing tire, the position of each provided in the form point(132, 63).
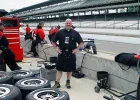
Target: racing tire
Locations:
point(21, 74)
point(9, 92)
point(6, 78)
point(48, 94)
point(28, 85)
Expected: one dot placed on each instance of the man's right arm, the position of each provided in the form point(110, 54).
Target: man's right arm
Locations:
point(54, 40)
point(56, 48)
point(54, 45)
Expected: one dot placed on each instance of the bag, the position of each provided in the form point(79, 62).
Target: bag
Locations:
point(53, 59)
point(102, 78)
point(126, 59)
point(78, 74)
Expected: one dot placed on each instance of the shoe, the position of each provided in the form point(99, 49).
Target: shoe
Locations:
point(18, 68)
point(28, 56)
point(57, 85)
point(29, 52)
point(35, 56)
point(68, 84)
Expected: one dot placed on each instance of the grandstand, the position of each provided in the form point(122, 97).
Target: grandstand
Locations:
point(115, 14)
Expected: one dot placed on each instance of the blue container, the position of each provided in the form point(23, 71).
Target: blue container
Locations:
point(36, 72)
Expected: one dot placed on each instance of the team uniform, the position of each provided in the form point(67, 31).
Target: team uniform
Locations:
point(67, 43)
point(8, 55)
point(40, 35)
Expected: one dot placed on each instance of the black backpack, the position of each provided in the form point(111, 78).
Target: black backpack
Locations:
point(126, 59)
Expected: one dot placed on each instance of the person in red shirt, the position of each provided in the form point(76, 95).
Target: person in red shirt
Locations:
point(52, 32)
point(28, 33)
point(40, 36)
point(28, 29)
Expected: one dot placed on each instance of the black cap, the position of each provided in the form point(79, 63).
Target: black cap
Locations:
point(40, 23)
point(58, 27)
point(1, 24)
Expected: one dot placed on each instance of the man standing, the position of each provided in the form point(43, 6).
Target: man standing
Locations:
point(21, 30)
point(68, 39)
point(8, 55)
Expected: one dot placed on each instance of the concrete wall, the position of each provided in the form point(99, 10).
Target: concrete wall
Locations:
point(122, 80)
point(122, 36)
point(111, 32)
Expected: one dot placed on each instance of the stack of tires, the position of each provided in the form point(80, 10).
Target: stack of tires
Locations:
point(24, 85)
point(7, 89)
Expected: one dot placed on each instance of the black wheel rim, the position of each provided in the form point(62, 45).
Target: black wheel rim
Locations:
point(46, 95)
point(32, 82)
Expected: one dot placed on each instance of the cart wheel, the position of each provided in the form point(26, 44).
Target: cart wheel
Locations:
point(97, 89)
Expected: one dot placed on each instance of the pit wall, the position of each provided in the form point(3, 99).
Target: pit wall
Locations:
point(119, 79)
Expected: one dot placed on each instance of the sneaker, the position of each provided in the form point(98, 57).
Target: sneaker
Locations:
point(68, 84)
point(29, 55)
point(18, 68)
point(57, 85)
point(35, 56)
point(29, 52)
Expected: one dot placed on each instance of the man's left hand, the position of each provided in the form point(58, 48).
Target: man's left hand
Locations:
point(75, 50)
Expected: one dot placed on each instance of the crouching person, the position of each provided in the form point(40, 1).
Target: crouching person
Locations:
point(8, 55)
point(40, 36)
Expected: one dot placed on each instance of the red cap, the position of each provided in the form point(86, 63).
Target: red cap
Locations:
point(137, 56)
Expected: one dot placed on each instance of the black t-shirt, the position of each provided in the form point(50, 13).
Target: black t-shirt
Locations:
point(4, 42)
point(67, 39)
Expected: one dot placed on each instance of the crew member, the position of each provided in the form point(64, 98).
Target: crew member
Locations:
point(68, 39)
point(8, 55)
point(50, 32)
point(40, 36)
point(21, 30)
point(53, 32)
point(28, 33)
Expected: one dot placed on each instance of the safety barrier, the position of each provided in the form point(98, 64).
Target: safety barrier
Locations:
point(119, 79)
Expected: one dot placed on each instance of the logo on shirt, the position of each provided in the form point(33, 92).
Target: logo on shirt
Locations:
point(67, 40)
